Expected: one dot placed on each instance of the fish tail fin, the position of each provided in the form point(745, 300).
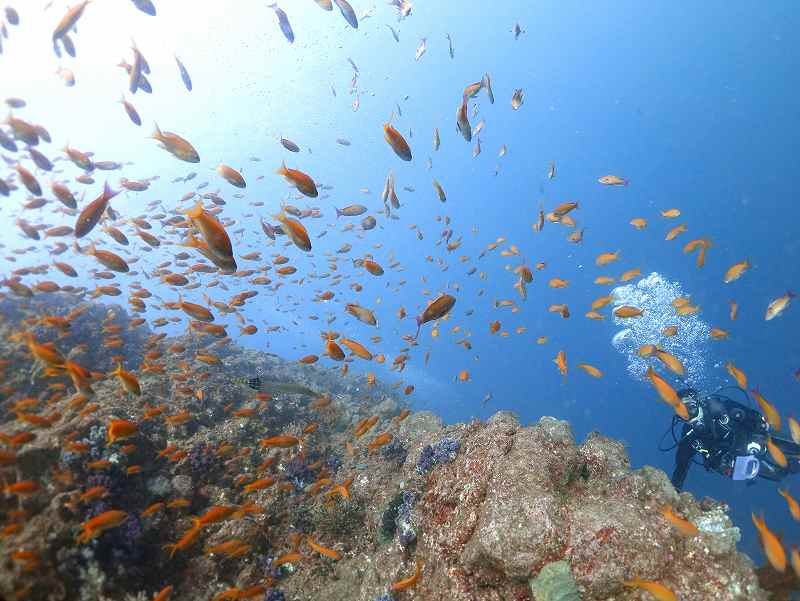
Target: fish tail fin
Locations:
point(156, 135)
point(790, 294)
point(419, 326)
point(195, 211)
point(108, 191)
point(282, 170)
point(338, 213)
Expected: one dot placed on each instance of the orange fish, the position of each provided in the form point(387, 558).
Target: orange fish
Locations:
point(215, 514)
point(332, 553)
point(409, 582)
point(734, 310)
point(396, 140)
point(771, 545)
point(179, 418)
point(22, 487)
point(656, 589)
point(794, 507)
point(280, 441)
point(296, 231)
point(259, 484)
point(736, 271)
point(737, 374)
point(718, 333)
point(770, 412)
point(176, 145)
point(794, 429)
point(590, 369)
point(671, 362)
point(292, 557)
point(667, 393)
point(379, 441)
point(626, 311)
point(44, 352)
point(778, 306)
point(561, 362)
point(684, 526)
point(91, 213)
point(612, 180)
point(163, 594)
point(299, 180)
point(212, 231)
point(673, 233)
point(97, 525)
point(358, 349)
point(630, 274)
point(185, 541)
point(606, 258)
point(119, 429)
point(776, 453)
point(232, 176)
point(154, 508)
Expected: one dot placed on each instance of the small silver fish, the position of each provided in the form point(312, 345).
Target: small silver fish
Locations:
point(283, 21)
point(423, 45)
point(187, 81)
point(347, 12)
point(517, 99)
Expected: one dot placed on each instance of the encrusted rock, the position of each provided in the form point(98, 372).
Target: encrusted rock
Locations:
point(160, 486)
point(182, 485)
point(496, 511)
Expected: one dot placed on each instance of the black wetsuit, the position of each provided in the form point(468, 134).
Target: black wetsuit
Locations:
point(720, 430)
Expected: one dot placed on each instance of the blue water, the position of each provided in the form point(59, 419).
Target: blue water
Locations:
point(696, 108)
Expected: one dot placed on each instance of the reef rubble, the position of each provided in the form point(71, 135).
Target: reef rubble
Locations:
point(487, 510)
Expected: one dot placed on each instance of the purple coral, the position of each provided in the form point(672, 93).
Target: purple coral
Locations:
point(405, 522)
point(201, 459)
point(443, 451)
point(274, 594)
point(297, 472)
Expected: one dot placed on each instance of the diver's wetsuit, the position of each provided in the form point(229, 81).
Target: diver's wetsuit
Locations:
point(720, 430)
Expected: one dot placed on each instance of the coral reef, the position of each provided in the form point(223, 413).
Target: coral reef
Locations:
point(486, 510)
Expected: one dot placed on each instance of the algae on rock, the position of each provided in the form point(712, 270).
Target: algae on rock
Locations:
point(554, 582)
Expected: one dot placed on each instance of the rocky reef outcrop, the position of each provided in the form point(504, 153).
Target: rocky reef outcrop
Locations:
point(361, 501)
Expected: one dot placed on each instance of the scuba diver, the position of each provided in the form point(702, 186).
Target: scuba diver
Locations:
point(730, 437)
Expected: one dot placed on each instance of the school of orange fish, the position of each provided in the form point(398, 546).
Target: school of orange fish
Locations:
point(207, 251)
